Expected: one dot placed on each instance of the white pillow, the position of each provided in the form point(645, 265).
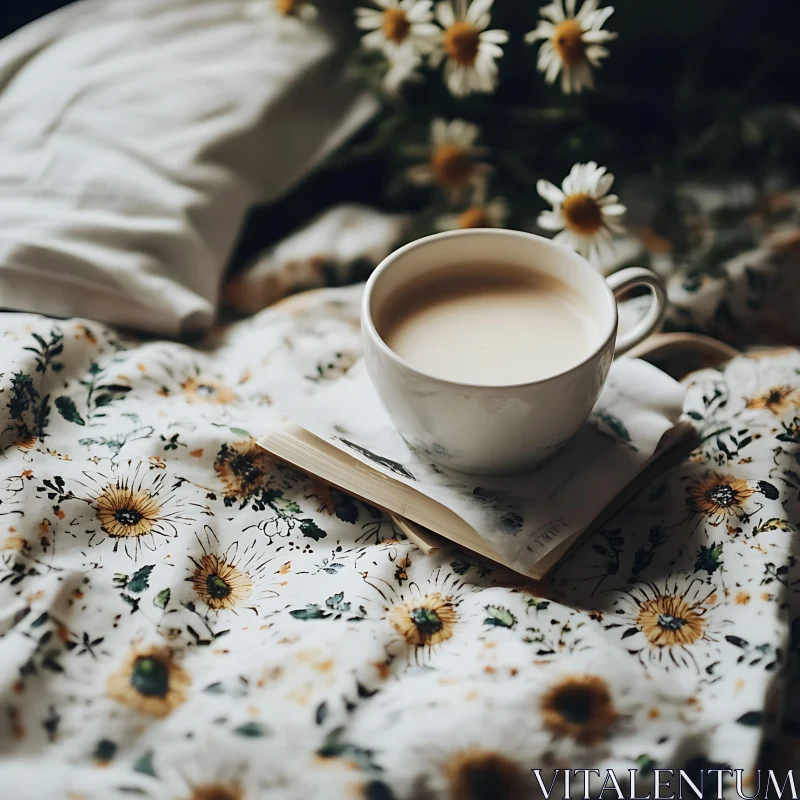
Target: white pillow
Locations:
point(136, 134)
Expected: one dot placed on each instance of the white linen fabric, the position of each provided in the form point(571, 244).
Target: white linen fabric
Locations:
point(181, 617)
point(136, 134)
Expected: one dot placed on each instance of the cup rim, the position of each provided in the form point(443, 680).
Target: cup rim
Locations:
point(368, 325)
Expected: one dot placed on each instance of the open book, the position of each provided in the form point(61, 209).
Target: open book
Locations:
point(341, 435)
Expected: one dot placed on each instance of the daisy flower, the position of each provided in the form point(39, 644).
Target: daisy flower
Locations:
point(573, 43)
point(490, 214)
point(469, 49)
point(582, 211)
point(286, 8)
point(402, 29)
point(452, 159)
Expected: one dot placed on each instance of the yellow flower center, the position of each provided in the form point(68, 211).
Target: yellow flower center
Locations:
point(461, 42)
point(451, 165)
point(667, 621)
point(216, 791)
point(568, 42)
point(285, 7)
point(395, 25)
point(474, 218)
point(582, 214)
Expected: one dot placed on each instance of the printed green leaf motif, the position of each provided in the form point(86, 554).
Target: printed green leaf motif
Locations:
point(252, 730)
point(709, 558)
point(161, 599)
point(66, 407)
point(499, 617)
point(139, 580)
point(321, 713)
point(310, 529)
point(240, 432)
point(120, 580)
point(344, 506)
point(774, 524)
point(737, 641)
point(311, 611)
point(539, 605)
point(751, 718)
point(646, 764)
point(616, 425)
point(144, 764)
point(768, 490)
point(336, 602)
point(215, 688)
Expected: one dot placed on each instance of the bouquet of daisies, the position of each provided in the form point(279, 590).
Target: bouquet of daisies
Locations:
point(497, 112)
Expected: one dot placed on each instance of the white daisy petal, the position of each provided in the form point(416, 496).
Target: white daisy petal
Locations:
point(439, 131)
point(570, 8)
point(614, 210)
point(598, 37)
point(588, 7)
point(368, 18)
point(567, 238)
point(604, 184)
point(566, 79)
point(420, 11)
point(595, 53)
point(608, 200)
point(495, 36)
point(599, 18)
point(491, 49)
point(553, 11)
point(553, 69)
point(478, 9)
point(444, 14)
point(550, 192)
point(550, 221)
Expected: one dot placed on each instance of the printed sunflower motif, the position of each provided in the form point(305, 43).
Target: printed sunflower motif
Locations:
point(207, 390)
point(426, 621)
point(219, 584)
point(244, 469)
point(668, 620)
point(671, 624)
point(123, 511)
point(473, 774)
point(579, 707)
point(216, 791)
point(718, 497)
point(149, 681)
point(776, 399)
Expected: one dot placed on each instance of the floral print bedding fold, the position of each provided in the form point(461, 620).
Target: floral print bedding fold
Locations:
point(181, 617)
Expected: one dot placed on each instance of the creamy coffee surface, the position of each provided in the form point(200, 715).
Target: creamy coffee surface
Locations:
point(489, 324)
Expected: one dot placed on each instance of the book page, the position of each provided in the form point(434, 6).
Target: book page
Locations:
point(523, 517)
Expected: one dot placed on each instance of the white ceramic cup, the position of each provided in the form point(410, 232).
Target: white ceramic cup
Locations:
point(498, 430)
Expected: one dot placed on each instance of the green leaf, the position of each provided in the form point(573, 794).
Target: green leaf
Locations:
point(144, 764)
point(751, 718)
point(336, 603)
point(139, 580)
point(66, 407)
point(499, 617)
point(311, 611)
point(310, 529)
point(240, 432)
point(774, 524)
point(709, 558)
point(252, 730)
point(161, 599)
point(344, 506)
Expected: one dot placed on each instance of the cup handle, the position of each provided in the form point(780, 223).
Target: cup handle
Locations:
point(625, 279)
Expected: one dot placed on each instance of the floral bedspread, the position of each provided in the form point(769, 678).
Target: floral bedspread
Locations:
point(184, 618)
